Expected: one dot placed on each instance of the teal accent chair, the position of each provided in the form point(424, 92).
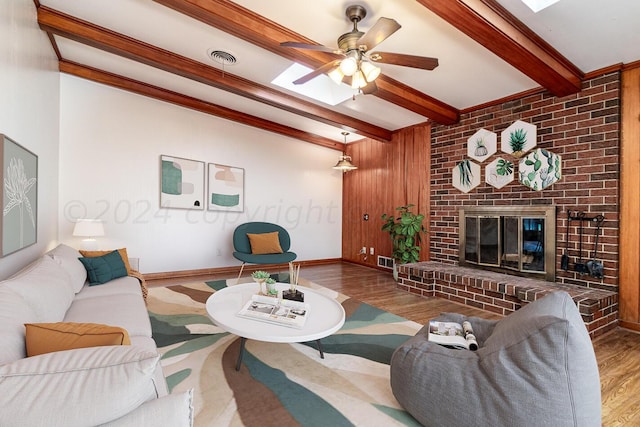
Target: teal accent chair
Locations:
point(242, 247)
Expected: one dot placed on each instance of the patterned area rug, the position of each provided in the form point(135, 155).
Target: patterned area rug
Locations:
point(279, 384)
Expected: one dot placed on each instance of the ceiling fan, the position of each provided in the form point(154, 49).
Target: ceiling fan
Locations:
point(357, 68)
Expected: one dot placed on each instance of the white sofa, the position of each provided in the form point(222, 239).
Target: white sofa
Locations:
point(108, 385)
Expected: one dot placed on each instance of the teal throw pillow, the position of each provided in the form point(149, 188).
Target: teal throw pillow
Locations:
point(102, 269)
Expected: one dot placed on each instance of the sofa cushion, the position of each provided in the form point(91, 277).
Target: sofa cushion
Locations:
point(122, 285)
point(147, 343)
point(46, 287)
point(44, 338)
point(127, 311)
point(14, 313)
point(83, 387)
point(175, 410)
point(67, 258)
point(102, 269)
point(121, 251)
point(265, 243)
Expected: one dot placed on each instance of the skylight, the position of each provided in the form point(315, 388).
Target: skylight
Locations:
point(538, 5)
point(321, 88)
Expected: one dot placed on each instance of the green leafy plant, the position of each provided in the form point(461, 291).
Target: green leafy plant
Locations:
point(517, 140)
point(504, 167)
point(270, 281)
point(405, 231)
point(260, 275)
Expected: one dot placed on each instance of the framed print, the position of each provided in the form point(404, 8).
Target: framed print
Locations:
point(482, 145)
point(19, 196)
point(182, 183)
point(540, 169)
point(465, 176)
point(226, 188)
point(519, 138)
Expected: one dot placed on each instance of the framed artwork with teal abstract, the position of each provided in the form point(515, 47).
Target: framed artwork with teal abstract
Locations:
point(226, 188)
point(181, 183)
point(19, 221)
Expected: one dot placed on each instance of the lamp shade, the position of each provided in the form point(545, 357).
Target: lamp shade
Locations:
point(336, 75)
point(370, 71)
point(349, 65)
point(357, 80)
point(344, 164)
point(88, 228)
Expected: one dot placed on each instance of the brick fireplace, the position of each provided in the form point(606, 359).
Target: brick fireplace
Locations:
point(584, 129)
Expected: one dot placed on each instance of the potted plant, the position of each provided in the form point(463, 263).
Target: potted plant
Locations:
point(271, 287)
point(404, 230)
point(260, 277)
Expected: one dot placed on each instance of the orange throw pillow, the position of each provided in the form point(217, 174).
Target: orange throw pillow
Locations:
point(44, 338)
point(122, 251)
point(264, 243)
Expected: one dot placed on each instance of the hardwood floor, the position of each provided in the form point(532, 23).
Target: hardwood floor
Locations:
point(617, 352)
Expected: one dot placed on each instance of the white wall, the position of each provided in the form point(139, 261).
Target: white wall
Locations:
point(29, 114)
point(111, 142)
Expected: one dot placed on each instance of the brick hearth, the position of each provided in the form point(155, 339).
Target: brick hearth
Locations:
point(503, 293)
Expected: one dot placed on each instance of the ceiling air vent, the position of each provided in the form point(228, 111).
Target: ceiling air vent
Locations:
point(222, 57)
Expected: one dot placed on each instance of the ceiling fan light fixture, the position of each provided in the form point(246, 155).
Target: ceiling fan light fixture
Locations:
point(370, 71)
point(358, 81)
point(336, 75)
point(349, 65)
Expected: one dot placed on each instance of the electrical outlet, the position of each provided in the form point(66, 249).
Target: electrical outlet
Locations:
point(363, 250)
point(371, 251)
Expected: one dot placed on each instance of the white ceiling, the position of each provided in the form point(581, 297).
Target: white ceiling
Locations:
point(592, 34)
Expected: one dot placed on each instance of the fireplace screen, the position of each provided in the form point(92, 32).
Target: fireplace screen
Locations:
point(520, 240)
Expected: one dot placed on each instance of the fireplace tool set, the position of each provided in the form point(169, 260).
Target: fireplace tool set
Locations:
point(593, 267)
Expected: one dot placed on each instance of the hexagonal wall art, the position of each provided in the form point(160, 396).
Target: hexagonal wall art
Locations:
point(540, 169)
point(518, 138)
point(466, 175)
point(481, 145)
point(499, 172)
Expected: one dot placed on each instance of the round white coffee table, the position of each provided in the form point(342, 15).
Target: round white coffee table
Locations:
point(326, 316)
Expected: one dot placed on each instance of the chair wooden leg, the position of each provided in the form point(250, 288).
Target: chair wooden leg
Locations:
point(241, 268)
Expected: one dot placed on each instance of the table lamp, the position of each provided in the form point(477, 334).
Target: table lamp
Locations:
point(89, 228)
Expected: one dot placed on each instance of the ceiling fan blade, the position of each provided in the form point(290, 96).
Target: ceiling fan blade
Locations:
point(422, 62)
point(378, 33)
point(370, 88)
point(315, 73)
point(310, 47)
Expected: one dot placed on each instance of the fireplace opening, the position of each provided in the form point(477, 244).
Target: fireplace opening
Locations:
point(515, 240)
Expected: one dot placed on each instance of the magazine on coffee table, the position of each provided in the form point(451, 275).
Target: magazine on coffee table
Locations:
point(274, 310)
point(452, 334)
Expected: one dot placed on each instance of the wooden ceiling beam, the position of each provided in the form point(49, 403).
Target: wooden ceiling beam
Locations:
point(84, 32)
point(141, 88)
point(495, 28)
point(249, 26)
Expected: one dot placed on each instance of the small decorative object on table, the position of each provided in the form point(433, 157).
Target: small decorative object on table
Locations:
point(260, 277)
point(292, 293)
point(271, 287)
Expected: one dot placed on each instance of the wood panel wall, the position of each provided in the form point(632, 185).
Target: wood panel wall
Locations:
point(630, 201)
point(389, 174)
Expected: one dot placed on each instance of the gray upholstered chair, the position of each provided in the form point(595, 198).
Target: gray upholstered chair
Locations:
point(535, 367)
point(242, 245)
